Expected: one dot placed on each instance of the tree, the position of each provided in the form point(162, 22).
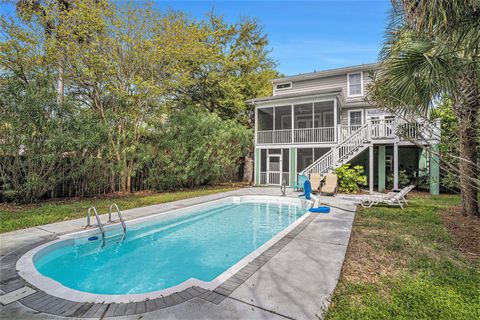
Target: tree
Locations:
point(432, 51)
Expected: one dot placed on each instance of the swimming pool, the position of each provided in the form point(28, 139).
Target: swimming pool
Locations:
point(199, 245)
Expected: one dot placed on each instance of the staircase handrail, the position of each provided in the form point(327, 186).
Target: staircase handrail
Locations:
point(362, 130)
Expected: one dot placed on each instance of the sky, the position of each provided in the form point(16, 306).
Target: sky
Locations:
point(304, 35)
point(308, 35)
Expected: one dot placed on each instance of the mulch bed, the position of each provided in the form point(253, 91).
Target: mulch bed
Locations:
point(465, 231)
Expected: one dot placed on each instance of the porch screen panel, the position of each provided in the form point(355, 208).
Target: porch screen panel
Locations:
point(303, 115)
point(263, 166)
point(265, 119)
point(283, 118)
point(319, 152)
point(304, 158)
point(323, 114)
point(263, 160)
point(285, 167)
point(285, 160)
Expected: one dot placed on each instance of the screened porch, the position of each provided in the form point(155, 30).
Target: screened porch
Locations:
point(312, 122)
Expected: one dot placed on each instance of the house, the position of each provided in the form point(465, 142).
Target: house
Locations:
point(315, 122)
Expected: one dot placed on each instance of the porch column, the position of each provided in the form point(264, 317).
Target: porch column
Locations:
point(257, 166)
point(422, 163)
point(293, 166)
point(434, 170)
point(370, 169)
point(381, 168)
point(395, 165)
point(335, 121)
point(293, 126)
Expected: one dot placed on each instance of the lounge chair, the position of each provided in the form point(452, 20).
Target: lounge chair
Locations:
point(315, 179)
point(331, 184)
point(300, 182)
point(392, 198)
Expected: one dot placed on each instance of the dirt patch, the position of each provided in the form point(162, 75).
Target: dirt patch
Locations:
point(366, 261)
point(465, 231)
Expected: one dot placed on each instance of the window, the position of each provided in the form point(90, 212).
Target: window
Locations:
point(355, 84)
point(355, 117)
point(282, 86)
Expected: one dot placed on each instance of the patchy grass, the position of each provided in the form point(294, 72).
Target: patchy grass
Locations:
point(14, 217)
point(405, 264)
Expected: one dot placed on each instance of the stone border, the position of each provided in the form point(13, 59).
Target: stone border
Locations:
point(26, 268)
point(40, 301)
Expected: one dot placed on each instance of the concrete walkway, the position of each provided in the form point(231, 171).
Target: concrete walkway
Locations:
point(294, 283)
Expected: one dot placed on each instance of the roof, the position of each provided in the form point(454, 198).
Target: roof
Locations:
point(326, 73)
point(297, 94)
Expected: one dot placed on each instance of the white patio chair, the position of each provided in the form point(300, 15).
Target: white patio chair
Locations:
point(392, 198)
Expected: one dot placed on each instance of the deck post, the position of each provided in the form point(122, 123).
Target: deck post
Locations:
point(370, 169)
point(293, 124)
point(395, 165)
point(381, 168)
point(434, 170)
point(335, 122)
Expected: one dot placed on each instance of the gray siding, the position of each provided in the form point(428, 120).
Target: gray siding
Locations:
point(337, 81)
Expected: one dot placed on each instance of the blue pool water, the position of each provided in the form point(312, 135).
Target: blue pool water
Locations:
point(157, 255)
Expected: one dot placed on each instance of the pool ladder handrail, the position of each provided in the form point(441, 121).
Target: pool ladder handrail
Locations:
point(100, 225)
point(119, 216)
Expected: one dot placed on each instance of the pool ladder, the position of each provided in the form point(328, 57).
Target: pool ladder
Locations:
point(98, 220)
point(100, 225)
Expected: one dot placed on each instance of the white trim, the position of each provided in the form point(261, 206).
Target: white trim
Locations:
point(27, 270)
point(356, 110)
point(282, 83)
point(348, 84)
point(294, 101)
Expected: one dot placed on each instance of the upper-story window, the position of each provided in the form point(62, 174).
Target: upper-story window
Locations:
point(283, 86)
point(355, 84)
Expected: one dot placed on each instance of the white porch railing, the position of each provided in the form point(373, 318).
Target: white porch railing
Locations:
point(392, 128)
point(307, 135)
point(346, 131)
point(274, 136)
point(326, 134)
point(341, 153)
point(274, 177)
point(263, 178)
point(379, 129)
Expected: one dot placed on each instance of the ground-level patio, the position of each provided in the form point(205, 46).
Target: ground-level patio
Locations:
point(293, 279)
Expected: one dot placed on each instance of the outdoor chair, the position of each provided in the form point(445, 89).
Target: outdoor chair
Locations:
point(331, 184)
point(300, 182)
point(392, 198)
point(315, 179)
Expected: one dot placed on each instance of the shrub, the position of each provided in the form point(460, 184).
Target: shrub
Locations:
point(403, 179)
point(195, 148)
point(350, 179)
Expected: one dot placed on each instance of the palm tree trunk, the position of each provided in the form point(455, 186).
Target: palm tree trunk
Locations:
point(467, 111)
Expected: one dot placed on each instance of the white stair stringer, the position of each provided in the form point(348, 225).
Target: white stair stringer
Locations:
point(342, 153)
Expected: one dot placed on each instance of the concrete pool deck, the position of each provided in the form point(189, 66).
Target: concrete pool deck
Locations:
point(293, 279)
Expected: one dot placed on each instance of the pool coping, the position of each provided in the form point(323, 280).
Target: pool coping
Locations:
point(44, 302)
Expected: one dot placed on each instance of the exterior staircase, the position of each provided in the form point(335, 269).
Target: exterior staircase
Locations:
point(342, 153)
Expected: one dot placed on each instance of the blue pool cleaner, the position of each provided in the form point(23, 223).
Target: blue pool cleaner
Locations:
point(321, 209)
point(93, 238)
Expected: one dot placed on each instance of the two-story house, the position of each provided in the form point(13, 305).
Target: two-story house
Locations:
point(315, 122)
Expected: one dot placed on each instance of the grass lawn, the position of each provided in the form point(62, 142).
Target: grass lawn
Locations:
point(19, 217)
point(411, 264)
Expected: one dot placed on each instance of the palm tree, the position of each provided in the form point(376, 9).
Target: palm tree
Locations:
point(432, 51)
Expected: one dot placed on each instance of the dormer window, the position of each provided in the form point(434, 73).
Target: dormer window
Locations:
point(283, 86)
point(355, 84)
